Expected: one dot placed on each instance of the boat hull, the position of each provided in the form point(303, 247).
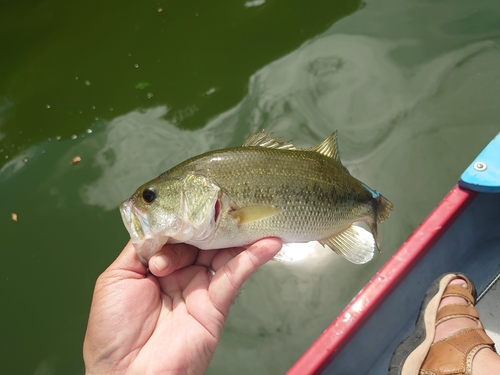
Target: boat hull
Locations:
point(462, 234)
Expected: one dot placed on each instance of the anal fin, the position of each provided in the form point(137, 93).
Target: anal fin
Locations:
point(355, 244)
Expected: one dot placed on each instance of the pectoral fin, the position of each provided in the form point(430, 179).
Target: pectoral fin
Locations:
point(354, 243)
point(250, 214)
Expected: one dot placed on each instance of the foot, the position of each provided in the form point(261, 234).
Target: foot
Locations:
point(448, 337)
point(486, 361)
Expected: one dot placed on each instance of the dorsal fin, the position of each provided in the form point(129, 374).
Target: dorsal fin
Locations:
point(262, 139)
point(329, 147)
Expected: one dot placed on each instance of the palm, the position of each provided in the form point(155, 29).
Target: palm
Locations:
point(145, 324)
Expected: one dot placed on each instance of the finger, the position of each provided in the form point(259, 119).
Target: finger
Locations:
point(225, 256)
point(205, 257)
point(214, 259)
point(230, 277)
point(128, 261)
point(172, 257)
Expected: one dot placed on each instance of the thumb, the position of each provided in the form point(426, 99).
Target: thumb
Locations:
point(127, 261)
point(229, 278)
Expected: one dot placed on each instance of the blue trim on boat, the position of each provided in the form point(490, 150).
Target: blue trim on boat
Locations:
point(483, 174)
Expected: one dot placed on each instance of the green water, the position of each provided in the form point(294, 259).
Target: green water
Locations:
point(133, 88)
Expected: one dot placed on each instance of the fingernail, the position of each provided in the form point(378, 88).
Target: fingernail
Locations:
point(161, 262)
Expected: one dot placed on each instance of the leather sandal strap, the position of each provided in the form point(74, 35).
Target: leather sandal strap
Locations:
point(454, 354)
point(456, 290)
point(455, 311)
point(466, 339)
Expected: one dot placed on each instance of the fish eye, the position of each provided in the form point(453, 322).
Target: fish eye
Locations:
point(148, 195)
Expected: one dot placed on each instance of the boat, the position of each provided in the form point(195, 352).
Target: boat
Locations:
point(462, 234)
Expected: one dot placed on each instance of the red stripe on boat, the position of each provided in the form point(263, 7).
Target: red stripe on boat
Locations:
point(322, 352)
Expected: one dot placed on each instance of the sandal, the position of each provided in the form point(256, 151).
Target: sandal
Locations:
point(453, 355)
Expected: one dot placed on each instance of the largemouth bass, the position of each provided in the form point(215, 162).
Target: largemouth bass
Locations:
point(265, 188)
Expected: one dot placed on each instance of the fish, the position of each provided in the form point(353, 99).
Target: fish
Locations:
point(265, 188)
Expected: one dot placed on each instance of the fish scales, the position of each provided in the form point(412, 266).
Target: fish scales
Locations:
point(314, 192)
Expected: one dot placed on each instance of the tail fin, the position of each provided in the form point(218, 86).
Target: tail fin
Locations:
point(384, 208)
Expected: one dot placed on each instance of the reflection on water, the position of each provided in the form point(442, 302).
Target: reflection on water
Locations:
point(343, 82)
point(139, 146)
point(254, 3)
point(47, 366)
point(140, 55)
point(294, 252)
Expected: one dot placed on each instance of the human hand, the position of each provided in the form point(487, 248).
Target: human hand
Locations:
point(168, 320)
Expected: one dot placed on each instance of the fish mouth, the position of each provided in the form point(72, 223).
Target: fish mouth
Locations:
point(137, 223)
